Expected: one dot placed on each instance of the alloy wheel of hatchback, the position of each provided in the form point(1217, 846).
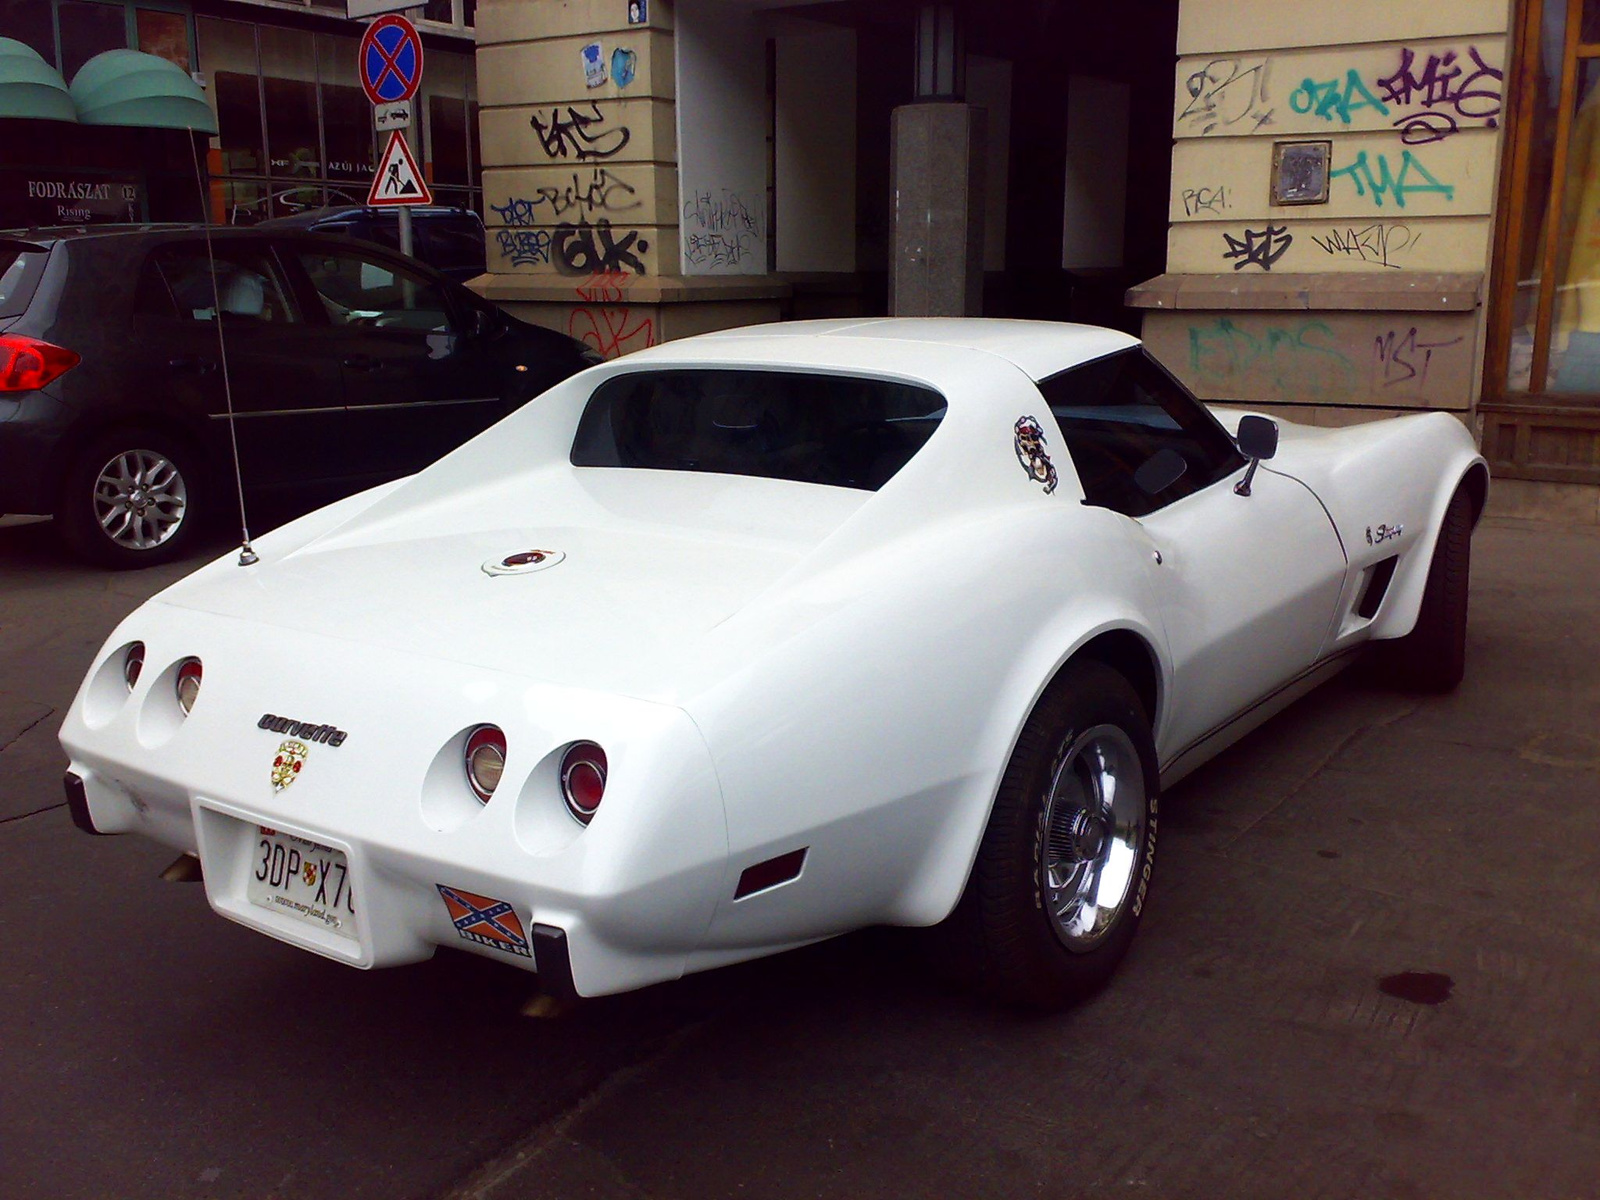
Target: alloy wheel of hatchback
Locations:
point(130, 499)
point(140, 499)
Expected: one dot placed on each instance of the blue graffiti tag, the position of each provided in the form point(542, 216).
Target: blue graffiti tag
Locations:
point(525, 247)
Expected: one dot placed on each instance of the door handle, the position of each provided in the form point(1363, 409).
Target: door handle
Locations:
point(361, 362)
point(197, 363)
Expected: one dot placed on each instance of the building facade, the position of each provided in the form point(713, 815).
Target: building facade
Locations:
point(294, 129)
point(1332, 219)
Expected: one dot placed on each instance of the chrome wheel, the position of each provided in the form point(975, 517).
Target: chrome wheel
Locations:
point(1094, 820)
point(140, 499)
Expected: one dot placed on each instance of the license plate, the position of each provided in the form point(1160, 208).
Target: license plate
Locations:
point(302, 879)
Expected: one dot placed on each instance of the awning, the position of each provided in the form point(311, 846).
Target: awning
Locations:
point(126, 87)
point(31, 87)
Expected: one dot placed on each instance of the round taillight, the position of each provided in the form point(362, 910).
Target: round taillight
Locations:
point(485, 760)
point(583, 779)
point(188, 685)
point(132, 664)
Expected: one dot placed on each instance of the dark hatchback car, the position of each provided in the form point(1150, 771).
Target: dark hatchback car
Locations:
point(349, 365)
point(450, 240)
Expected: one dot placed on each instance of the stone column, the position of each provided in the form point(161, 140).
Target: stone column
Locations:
point(937, 157)
point(580, 176)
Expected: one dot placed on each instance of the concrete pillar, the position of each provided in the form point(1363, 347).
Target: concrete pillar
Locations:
point(578, 125)
point(937, 153)
point(579, 138)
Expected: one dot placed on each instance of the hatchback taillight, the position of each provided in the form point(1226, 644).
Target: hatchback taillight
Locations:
point(583, 779)
point(27, 363)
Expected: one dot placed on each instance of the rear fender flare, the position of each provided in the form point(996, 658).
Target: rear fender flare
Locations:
point(938, 886)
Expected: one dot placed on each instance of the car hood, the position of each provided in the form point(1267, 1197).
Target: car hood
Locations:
point(629, 597)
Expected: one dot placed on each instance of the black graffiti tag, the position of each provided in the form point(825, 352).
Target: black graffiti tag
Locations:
point(585, 249)
point(577, 135)
point(1258, 247)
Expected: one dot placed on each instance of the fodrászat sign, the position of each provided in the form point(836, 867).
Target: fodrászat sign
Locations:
point(66, 198)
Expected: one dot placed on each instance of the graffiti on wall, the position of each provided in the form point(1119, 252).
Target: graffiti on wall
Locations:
point(524, 247)
point(604, 322)
point(1377, 179)
point(1403, 358)
point(719, 230)
point(578, 131)
point(1426, 92)
point(588, 194)
point(584, 248)
point(1213, 200)
point(1257, 247)
point(1378, 243)
point(1226, 95)
point(1318, 358)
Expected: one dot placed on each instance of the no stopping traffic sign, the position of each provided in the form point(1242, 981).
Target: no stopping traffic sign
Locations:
point(390, 60)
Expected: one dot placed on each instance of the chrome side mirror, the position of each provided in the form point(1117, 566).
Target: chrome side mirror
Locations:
point(1258, 439)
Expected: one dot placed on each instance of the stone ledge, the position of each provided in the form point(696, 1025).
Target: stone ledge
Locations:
point(1403, 291)
point(636, 289)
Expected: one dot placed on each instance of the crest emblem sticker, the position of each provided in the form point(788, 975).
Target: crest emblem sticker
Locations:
point(286, 766)
point(1035, 459)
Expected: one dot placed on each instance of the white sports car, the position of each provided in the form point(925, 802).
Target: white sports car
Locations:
point(759, 637)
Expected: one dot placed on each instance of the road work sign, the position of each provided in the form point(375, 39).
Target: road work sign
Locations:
point(398, 180)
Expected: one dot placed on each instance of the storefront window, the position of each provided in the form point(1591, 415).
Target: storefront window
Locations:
point(302, 92)
point(1550, 331)
point(228, 56)
point(294, 142)
point(346, 111)
point(29, 21)
point(88, 29)
point(164, 34)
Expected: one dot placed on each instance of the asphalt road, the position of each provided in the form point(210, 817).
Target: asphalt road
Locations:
point(1247, 1048)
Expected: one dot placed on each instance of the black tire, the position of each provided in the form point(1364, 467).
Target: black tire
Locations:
point(1433, 656)
point(132, 498)
point(1003, 932)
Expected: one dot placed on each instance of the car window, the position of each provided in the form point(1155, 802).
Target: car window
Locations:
point(832, 429)
point(356, 290)
point(177, 281)
point(19, 275)
point(1137, 438)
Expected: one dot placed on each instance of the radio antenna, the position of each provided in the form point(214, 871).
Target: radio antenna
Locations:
point(247, 554)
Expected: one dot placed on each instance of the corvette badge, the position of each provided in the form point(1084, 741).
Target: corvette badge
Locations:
point(286, 766)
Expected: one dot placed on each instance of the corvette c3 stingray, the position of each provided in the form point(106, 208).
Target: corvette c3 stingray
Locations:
point(763, 636)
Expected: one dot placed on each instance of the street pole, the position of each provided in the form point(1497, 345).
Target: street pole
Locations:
point(405, 230)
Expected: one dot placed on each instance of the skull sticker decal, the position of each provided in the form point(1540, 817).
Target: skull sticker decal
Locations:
point(1032, 454)
point(286, 766)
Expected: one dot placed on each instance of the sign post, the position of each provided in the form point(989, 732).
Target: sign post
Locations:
point(390, 63)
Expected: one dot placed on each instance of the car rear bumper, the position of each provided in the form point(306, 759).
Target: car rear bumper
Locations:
point(32, 427)
point(628, 898)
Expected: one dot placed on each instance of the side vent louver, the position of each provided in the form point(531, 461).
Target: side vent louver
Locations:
point(1378, 577)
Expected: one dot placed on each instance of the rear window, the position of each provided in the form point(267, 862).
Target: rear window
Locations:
point(19, 275)
point(831, 429)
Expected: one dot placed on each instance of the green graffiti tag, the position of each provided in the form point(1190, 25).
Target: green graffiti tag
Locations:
point(1328, 100)
point(1384, 182)
point(1298, 361)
